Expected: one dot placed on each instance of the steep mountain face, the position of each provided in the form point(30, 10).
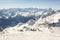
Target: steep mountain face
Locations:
point(13, 16)
point(29, 18)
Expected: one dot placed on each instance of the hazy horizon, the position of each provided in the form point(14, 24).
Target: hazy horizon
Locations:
point(55, 4)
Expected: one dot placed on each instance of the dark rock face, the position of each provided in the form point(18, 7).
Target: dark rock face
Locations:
point(13, 21)
point(1, 29)
point(57, 24)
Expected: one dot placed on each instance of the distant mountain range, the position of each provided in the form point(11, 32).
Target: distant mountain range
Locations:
point(13, 16)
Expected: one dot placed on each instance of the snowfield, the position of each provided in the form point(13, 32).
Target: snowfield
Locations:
point(30, 36)
point(29, 24)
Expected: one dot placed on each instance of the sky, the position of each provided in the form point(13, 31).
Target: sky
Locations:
point(55, 4)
